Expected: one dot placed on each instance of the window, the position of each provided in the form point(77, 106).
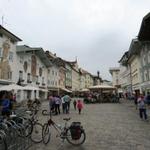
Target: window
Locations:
point(11, 56)
point(21, 59)
point(12, 41)
point(37, 78)
point(10, 75)
point(48, 71)
point(42, 80)
point(1, 35)
point(56, 73)
point(145, 75)
point(148, 56)
point(1, 52)
point(56, 83)
point(21, 75)
point(28, 77)
point(48, 82)
point(144, 60)
point(53, 72)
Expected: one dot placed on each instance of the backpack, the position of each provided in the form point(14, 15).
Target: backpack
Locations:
point(141, 104)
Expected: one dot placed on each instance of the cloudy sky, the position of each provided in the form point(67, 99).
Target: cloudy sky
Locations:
point(97, 32)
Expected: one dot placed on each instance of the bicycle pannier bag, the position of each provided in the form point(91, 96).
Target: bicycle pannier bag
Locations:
point(76, 130)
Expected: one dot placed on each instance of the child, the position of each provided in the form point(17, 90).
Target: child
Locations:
point(79, 106)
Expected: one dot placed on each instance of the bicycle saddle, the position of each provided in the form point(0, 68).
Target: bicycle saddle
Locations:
point(66, 119)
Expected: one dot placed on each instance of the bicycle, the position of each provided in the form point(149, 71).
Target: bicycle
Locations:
point(3, 143)
point(74, 134)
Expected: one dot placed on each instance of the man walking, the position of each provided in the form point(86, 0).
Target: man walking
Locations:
point(142, 107)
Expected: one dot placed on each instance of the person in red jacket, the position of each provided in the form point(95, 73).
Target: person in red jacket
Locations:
point(79, 106)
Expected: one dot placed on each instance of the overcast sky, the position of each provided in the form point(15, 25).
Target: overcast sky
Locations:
point(97, 32)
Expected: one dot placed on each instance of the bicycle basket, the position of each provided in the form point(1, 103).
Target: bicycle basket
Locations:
point(75, 130)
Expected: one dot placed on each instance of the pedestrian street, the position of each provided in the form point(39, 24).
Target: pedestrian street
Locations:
point(108, 127)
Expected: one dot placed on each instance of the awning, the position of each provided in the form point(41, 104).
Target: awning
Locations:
point(30, 88)
point(64, 89)
point(84, 90)
point(43, 90)
point(11, 87)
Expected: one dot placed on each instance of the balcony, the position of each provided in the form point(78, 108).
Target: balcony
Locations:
point(20, 81)
point(37, 83)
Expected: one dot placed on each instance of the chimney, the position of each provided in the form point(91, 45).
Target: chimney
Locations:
point(98, 73)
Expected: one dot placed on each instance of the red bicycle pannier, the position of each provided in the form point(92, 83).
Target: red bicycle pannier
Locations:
point(76, 130)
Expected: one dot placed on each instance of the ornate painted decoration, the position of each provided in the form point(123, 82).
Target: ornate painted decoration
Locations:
point(33, 65)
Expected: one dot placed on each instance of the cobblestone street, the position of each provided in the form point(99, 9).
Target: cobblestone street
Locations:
point(107, 126)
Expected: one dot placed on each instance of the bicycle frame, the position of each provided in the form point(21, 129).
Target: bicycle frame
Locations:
point(59, 130)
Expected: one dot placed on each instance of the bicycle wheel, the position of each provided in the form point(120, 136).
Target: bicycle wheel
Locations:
point(78, 141)
point(28, 127)
point(36, 135)
point(44, 112)
point(3, 143)
point(46, 133)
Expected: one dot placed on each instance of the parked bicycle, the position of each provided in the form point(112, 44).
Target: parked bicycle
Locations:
point(34, 128)
point(73, 133)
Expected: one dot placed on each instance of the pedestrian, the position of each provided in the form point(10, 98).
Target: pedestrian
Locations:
point(29, 104)
point(79, 106)
point(142, 107)
point(74, 104)
point(5, 106)
point(63, 105)
point(51, 103)
point(147, 98)
point(67, 100)
point(135, 100)
point(57, 104)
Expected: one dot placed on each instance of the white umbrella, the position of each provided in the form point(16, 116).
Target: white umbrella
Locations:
point(84, 90)
point(11, 87)
point(102, 87)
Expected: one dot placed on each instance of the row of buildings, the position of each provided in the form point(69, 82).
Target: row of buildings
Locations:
point(133, 74)
point(39, 69)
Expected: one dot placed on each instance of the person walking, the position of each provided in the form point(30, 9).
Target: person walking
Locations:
point(57, 105)
point(147, 98)
point(142, 107)
point(79, 106)
point(51, 103)
point(135, 100)
point(5, 105)
point(67, 100)
point(63, 105)
point(74, 104)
